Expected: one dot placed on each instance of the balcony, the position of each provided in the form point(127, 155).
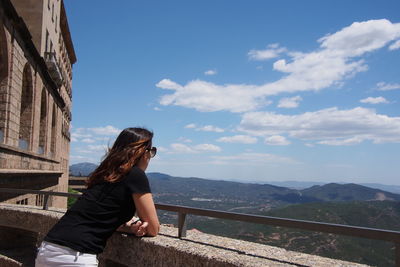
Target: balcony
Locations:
point(53, 68)
point(175, 246)
point(196, 249)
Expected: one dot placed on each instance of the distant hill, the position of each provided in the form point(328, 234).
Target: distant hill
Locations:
point(206, 188)
point(214, 194)
point(390, 188)
point(82, 169)
point(194, 190)
point(306, 184)
point(295, 184)
point(347, 192)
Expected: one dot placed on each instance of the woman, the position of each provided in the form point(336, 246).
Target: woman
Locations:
point(115, 191)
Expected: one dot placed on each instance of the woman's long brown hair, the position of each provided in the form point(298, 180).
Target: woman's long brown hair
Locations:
point(127, 150)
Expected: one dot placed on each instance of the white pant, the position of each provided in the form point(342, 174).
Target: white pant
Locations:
point(50, 254)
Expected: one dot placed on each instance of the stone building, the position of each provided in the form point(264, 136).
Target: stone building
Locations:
point(36, 58)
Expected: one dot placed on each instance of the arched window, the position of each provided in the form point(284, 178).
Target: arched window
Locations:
point(53, 131)
point(3, 81)
point(43, 122)
point(25, 115)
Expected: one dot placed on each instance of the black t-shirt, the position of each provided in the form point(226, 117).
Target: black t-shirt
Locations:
point(101, 209)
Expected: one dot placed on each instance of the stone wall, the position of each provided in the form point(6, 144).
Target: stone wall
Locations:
point(35, 111)
point(197, 249)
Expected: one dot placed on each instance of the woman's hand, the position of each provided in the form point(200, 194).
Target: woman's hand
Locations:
point(136, 227)
point(139, 228)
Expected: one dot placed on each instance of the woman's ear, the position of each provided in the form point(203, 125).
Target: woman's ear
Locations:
point(143, 161)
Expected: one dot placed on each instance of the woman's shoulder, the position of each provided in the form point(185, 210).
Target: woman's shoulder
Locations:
point(137, 181)
point(136, 173)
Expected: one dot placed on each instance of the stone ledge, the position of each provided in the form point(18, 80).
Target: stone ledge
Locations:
point(21, 171)
point(27, 153)
point(7, 262)
point(200, 249)
point(197, 249)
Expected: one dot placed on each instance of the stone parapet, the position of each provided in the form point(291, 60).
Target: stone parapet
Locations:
point(197, 249)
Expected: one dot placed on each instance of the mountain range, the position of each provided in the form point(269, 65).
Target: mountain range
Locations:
point(85, 168)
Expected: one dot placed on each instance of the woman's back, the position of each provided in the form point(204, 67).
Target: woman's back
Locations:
point(98, 213)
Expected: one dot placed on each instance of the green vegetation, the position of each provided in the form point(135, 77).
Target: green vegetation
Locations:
point(71, 200)
point(373, 214)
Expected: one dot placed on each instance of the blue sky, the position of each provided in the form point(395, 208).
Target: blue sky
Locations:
point(252, 91)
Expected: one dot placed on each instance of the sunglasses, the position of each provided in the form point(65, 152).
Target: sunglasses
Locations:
point(153, 151)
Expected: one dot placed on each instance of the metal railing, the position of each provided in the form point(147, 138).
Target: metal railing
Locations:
point(354, 231)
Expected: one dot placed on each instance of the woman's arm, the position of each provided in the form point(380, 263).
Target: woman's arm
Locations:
point(146, 211)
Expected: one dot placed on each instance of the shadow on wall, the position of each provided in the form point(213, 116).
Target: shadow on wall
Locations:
point(26, 181)
point(18, 244)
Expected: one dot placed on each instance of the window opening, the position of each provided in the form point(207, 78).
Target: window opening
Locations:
point(43, 122)
point(25, 118)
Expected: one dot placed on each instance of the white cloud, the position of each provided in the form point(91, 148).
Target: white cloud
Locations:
point(395, 45)
point(290, 102)
point(206, 128)
point(190, 126)
point(91, 142)
point(210, 128)
point(90, 135)
point(342, 142)
point(161, 149)
point(88, 140)
point(272, 51)
point(205, 96)
point(382, 86)
point(210, 72)
point(361, 37)
point(242, 139)
point(277, 140)
point(374, 100)
point(337, 59)
point(78, 134)
point(185, 140)
point(77, 159)
point(326, 126)
point(207, 148)
point(168, 84)
point(90, 149)
point(180, 148)
point(107, 130)
point(189, 149)
point(250, 159)
point(99, 148)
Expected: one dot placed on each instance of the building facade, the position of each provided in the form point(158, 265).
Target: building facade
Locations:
point(36, 58)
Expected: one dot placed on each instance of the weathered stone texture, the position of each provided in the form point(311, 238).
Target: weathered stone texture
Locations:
point(197, 249)
point(30, 138)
